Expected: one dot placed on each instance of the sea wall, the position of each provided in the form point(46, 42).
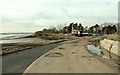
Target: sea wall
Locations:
point(111, 46)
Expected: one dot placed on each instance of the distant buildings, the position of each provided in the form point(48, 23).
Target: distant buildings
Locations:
point(108, 28)
point(77, 29)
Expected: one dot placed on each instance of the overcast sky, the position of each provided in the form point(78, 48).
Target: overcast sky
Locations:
point(33, 15)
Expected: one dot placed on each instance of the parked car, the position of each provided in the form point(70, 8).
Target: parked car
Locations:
point(95, 34)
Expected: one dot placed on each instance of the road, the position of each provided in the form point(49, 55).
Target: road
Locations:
point(18, 62)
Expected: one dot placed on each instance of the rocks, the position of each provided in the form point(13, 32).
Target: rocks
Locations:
point(73, 52)
point(61, 48)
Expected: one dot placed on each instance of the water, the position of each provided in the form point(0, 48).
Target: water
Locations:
point(93, 49)
point(10, 37)
point(96, 50)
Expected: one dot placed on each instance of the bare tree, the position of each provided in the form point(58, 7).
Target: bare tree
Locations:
point(60, 28)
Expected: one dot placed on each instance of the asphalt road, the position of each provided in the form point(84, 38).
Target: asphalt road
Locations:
point(18, 62)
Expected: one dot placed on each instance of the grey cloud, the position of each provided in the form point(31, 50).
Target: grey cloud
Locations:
point(46, 13)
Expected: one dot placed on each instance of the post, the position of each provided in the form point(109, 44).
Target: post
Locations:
point(110, 50)
point(68, 33)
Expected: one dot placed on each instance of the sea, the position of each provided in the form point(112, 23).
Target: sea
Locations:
point(9, 37)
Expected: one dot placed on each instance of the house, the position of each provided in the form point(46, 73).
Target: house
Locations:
point(75, 32)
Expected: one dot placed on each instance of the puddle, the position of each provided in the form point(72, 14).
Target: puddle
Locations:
point(95, 50)
point(56, 54)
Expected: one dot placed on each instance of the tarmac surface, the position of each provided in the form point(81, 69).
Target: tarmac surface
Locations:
point(19, 61)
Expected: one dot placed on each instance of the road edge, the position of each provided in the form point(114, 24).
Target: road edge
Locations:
point(36, 61)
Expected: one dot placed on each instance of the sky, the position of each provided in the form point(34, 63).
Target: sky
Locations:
point(34, 15)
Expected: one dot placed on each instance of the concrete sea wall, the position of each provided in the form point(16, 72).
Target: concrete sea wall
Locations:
point(111, 46)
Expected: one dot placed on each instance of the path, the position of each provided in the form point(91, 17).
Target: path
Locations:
point(71, 57)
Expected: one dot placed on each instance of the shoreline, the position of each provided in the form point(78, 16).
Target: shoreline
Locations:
point(20, 44)
point(8, 48)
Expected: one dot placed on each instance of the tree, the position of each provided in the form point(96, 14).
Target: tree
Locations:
point(75, 26)
point(109, 29)
point(91, 29)
point(97, 28)
point(114, 29)
point(39, 33)
point(60, 28)
point(65, 29)
point(85, 29)
point(80, 27)
point(70, 27)
point(104, 30)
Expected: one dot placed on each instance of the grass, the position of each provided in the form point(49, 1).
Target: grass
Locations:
point(115, 37)
point(53, 37)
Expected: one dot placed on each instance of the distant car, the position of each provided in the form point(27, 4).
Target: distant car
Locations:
point(95, 35)
point(90, 34)
point(105, 35)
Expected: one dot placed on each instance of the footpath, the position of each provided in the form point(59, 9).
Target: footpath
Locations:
point(70, 57)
